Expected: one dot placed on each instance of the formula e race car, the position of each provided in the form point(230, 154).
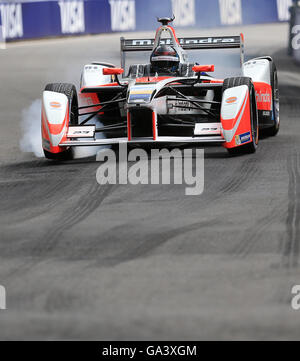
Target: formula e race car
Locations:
point(169, 100)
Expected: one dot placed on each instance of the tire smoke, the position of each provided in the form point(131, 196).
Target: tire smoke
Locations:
point(31, 141)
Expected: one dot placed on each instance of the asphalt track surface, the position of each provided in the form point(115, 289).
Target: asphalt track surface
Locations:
point(83, 261)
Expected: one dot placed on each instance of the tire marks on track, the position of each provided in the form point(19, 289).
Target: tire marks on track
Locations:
point(68, 213)
point(43, 186)
point(242, 177)
point(142, 247)
point(38, 185)
point(290, 248)
point(86, 205)
point(253, 235)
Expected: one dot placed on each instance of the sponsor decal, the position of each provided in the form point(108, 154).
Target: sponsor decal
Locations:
point(81, 131)
point(231, 100)
point(180, 105)
point(283, 9)
point(72, 17)
point(182, 41)
point(92, 69)
point(139, 98)
point(263, 97)
point(55, 104)
point(140, 42)
point(242, 138)
point(140, 94)
point(207, 129)
point(184, 11)
point(207, 41)
point(11, 18)
point(122, 14)
point(230, 12)
point(237, 140)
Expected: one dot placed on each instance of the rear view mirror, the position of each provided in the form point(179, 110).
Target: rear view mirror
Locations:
point(113, 71)
point(203, 68)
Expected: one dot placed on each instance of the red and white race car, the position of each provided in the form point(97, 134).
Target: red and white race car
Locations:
point(168, 100)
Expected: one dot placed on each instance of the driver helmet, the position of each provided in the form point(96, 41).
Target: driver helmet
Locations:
point(165, 59)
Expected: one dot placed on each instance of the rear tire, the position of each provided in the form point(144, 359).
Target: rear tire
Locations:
point(252, 146)
point(70, 91)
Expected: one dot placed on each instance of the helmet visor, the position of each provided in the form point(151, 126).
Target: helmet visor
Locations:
point(165, 65)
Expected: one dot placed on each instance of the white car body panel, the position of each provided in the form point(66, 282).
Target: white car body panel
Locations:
point(108, 141)
point(54, 110)
point(55, 106)
point(258, 70)
point(92, 75)
point(231, 110)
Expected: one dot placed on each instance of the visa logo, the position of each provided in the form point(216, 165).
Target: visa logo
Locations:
point(230, 12)
point(72, 17)
point(184, 11)
point(122, 14)
point(12, 22)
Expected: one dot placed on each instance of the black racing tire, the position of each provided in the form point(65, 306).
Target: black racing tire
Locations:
point(250, 147)
point(65, 155)
point(70, 91)
point(273, 131)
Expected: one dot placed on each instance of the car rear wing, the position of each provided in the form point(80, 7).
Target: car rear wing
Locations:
point(193, 43)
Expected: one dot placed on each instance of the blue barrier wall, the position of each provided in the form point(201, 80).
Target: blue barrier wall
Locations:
point(38, 19)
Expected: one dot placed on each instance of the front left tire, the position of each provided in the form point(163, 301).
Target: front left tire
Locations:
point(70, 91)
point(252, 146)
